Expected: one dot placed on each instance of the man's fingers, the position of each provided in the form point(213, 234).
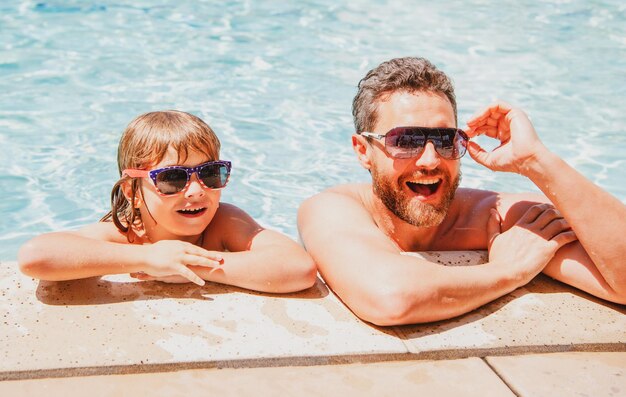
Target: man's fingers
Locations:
point(494, 111)
point(479, 154)
point(189, 275)
point(556, 226)
point(479, 117)
point(533, 212)
point(548, 215)
point(494, 226)
point(501, 107)
point(565, 238)
point(489, 130)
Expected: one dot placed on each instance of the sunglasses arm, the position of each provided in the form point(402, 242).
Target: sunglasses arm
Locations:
point(134, 173)
point(371, 135)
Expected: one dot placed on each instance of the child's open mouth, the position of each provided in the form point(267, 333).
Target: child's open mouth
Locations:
point(192, 213)
point(425, 188)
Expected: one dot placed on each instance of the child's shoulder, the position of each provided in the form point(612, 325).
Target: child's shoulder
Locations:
point(231, 217)
point(231, 228)
point(226, 210)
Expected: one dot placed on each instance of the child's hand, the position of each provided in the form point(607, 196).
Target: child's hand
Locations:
point(166, 279)
point(171, 258)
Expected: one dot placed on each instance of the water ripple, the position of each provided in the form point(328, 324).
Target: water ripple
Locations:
point(276, 80)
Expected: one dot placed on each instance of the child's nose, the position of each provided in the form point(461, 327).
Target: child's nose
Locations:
point(194, 189)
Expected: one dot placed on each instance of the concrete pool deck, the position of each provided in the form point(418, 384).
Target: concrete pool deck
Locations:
point(117, 336)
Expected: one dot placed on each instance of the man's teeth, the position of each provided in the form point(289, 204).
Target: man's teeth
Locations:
point(427, 181)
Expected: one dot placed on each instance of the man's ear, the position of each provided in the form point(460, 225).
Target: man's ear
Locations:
point(362, 149)
point(127, 189)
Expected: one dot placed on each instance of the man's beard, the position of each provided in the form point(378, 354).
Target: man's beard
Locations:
point(414, 211)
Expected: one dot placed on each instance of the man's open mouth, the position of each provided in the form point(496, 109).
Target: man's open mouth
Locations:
point(426, 187)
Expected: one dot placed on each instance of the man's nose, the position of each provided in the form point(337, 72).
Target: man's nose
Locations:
point(429, 158)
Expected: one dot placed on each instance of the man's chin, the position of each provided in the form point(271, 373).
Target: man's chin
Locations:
point(421, 214)
point(417, 208)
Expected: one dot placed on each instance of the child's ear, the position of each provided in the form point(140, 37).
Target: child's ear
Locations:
point(362, 150)
point(127, 189)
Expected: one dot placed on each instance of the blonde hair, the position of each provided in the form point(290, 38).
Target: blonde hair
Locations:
point(143, 144)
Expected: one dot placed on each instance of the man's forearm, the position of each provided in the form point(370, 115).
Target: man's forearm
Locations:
point(597, 218)
point(424, 291)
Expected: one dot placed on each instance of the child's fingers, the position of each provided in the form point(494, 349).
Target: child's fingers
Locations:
point(197, 260)
point(142, 276)
point(189, 275)
point(199, 251)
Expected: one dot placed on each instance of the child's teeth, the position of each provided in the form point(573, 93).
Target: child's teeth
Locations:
point(191, 211)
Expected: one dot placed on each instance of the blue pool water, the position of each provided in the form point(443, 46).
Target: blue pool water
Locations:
point(276, 82)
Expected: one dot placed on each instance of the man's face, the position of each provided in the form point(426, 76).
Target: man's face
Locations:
point(418, 190)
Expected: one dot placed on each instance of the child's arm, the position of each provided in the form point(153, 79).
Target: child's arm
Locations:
point(100, 249)
point(256, 258)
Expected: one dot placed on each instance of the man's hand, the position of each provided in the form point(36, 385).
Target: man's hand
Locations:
point(519, 143)
point(531, 243)
point(171, 258)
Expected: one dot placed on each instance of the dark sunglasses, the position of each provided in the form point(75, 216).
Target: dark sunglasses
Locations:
point(175, 179)
point(407, 142)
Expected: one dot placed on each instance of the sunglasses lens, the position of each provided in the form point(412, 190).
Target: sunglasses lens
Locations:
point(403, 143)
point(444, 143)
point(214, 176)
point(171, 181)
point(452, 145)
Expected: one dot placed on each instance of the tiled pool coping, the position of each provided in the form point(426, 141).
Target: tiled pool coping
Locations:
point(116, 325)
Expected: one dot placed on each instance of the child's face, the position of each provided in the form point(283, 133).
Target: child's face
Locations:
point(181, 216)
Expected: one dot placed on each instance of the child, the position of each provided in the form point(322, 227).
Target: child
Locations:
point(167, 223)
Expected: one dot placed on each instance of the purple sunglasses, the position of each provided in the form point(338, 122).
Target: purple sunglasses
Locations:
point(175, 179)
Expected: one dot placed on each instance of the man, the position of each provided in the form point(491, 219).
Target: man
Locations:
point(406, 136)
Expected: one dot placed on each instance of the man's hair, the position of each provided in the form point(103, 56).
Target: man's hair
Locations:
point(409, 74)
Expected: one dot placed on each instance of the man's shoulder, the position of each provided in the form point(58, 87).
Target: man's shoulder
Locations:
point(468, 198)
point(355, 193)
point(349, 189)
point(473, 205)
point(336, 203)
